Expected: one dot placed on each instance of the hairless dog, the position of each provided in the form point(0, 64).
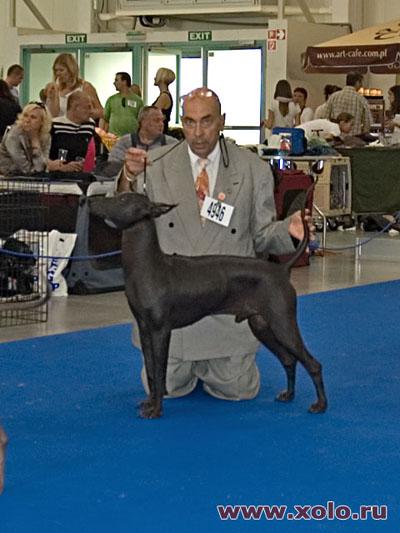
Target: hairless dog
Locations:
point(166, 292)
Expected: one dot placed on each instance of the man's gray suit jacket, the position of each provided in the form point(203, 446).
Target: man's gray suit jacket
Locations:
point(247, 184)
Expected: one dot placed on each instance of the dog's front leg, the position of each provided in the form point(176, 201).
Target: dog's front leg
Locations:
point(146, 406)
point(3, 444)
point(155, 351)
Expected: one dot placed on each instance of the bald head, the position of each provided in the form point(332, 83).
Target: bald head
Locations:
point(202, 93)
point(202, 120)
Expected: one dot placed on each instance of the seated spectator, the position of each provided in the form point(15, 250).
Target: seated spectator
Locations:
point(24, 149)
point(328, 90)
point(328, 129)
point(284, 113)
point(300, 98)
point(148, 136)
point(346, 123)
point(9, 108)
point(73, 133)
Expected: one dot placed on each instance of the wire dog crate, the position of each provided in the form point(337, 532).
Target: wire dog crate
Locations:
point(23, 232)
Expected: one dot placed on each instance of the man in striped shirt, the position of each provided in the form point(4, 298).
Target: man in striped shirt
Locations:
point(72, 133)
point(350, 101)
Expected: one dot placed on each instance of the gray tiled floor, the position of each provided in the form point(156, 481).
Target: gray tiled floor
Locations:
point(379, 261)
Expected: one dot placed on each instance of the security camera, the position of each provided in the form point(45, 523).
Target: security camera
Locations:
point(152, 22)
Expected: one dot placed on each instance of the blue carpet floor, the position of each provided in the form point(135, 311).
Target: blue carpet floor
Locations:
point(80, 460)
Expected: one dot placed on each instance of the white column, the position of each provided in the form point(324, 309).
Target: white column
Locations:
point(9, 49)
point(276, 67)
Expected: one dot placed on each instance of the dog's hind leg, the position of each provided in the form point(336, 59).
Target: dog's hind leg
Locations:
point(286, 333)
point(261, 329)
point(145, 341)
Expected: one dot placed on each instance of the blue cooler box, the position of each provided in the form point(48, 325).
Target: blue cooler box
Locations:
point(299, 142)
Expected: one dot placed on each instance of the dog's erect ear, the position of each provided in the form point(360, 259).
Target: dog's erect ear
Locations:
point(158, 209)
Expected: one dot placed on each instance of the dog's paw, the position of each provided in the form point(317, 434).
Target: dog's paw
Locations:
point(149, 409)
point(150, 413)
point(285, 396)
point(318, 407)
point(144, 404)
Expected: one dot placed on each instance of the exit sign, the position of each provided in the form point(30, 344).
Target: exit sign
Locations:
point(200, 36)
point(73, 38)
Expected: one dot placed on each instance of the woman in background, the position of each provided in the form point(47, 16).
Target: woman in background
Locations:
point(67, 81)
point(25, 148)
point(394, 100)
point(284, 113)
point(164, 78)
point(328, 90)
point(9, 108)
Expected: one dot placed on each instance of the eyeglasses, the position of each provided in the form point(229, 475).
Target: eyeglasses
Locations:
point(123, 102)
point(39, 104)
point(203, 92)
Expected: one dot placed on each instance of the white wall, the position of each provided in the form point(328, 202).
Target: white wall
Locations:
point(375, 13)
point(76, 18)
point(9, 49)
point(301, 35)
point(62, 15)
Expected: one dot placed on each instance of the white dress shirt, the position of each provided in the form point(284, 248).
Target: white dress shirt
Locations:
point(211, 166)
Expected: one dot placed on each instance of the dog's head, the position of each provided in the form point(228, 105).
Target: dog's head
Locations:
point(20, 254)
point(126, 209)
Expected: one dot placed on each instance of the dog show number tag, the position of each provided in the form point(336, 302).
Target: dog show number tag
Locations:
point(216, 211)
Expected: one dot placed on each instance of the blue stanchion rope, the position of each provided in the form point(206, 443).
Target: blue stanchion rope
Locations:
point(313, 246)
point(73, 258)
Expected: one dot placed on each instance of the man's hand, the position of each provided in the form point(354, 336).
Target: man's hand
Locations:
point(296, 228)
point(133, 165)
point(72, 166)
point(62, 166)
point(134, 161)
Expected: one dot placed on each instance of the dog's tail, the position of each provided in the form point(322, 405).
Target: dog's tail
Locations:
point(299, 204)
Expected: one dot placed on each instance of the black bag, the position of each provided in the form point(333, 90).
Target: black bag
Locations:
point(16, 273)
point(376, 223)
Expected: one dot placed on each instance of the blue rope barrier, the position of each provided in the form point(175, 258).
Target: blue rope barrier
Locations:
point(73, 258)
point(362, 243)
point(313, 245)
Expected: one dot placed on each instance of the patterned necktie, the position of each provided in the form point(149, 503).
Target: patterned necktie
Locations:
point(202, 184)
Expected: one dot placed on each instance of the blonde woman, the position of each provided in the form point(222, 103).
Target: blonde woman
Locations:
point(67, 81)
point(164, 78)
point(25, 147)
